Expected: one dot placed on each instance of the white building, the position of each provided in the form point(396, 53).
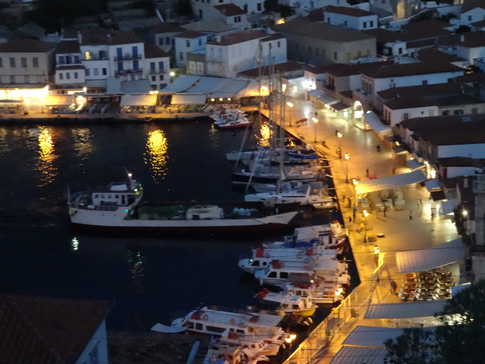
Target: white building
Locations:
point(302, 7)
point(473, 51)
point(236, 52)
point(164, 35)
point(471, 12)
point(407, 74)
point(25, 62)
point(188, 42)
point(98, 56)
point(348, 17)
point(229, 14)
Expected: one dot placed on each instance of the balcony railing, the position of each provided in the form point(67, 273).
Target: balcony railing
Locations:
point(95, 58)
point(156, 72)
point(128, 72)
point(127, 57)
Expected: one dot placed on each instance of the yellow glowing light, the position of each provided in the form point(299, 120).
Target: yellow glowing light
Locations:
point(47, 156)
point(82, 142)
point(355, 181)
point(264, 91)
point(281, 21)
point(229, 99)
point(365, 213)
point(290, 104)
point(339, 135)
point(153, 92)
point(29, 96)
point(291, 338)
point(221, 99)
point(172, 73)
point(213, 99)
point(265, 135)
point(346, 156)
point(156, 153)
point(315, 120)
point(464, 212)
point(283, 87)
point(339, 291)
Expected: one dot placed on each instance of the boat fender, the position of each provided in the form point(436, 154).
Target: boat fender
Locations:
point(204, 317)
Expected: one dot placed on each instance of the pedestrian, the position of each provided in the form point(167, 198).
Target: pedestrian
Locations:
point(410, 214)
point(367, 172)
point(385, 210)
point(350, 219)
point(378, 148)
point(393, 286)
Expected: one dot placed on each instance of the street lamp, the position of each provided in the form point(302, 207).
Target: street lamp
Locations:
point(365, 213)
point(347, 158)
point(315, 122)
point(339, 136)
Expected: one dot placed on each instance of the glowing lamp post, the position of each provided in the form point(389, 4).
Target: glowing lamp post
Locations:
point(346, 159)
point(339, 136)
point(315, 122)
point(290, 105)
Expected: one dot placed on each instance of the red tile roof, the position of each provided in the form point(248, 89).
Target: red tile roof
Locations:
point(280, 68)
point(95, 36)
point(190, 34)
point(230, 9)
point(435, 55)
point(239, 37)
point(273, 37)
point(349, 69)
point(152, 51)
point(26, 46)
point(167, 28)
point(47, 330)
point(345, 10)
point(68, 46)
point(472, 4)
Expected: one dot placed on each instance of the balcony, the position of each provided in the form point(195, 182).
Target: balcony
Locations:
point(128, 72)
point(95, 58)
point(157, 72)
point(127, 57)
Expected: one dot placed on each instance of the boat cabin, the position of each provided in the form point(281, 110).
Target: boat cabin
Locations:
point(208, 212)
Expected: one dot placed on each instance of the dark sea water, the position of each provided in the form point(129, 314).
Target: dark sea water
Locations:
point(148, 279)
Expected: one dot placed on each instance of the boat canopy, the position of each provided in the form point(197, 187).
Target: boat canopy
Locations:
point(376, 124)
point(389, 183)
point(139, 100)
point(404, 309)
point(188, 99)
point(59, 100)
point(427, 259)
point(414, 164)
point(371, 335)
point(359, 355)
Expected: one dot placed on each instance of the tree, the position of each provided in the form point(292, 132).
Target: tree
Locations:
point(461, 338)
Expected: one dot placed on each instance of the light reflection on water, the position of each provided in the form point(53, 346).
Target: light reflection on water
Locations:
point(263, 136)
point(156, 157)
point(82, 142)
point(46, 156)
point(3, 140)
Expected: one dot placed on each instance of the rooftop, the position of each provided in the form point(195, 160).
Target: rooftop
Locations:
point(275, 36)
point(152, 51)
point(230, 9)
point(167, 28)
point(26, 46)
point(279, 68)
point(239, 37)
point(433, 54)
point(348, 69)
point(47, 330)
point(438, 89)
point(418, 100)
point(98, 36)
point(68, 46)
point(411, 69)
point(190, 34)
point(345, 10)
point(321, 31)
point(472, 4)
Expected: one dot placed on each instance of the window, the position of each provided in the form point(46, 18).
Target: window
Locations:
point(154, 78)
point(458, 112)
point(75, 75)
point(284, 275)
point(160, 41)
point(68, 76)
point(12, 79)
point(181, 56)
point(68, 60)
point(405, 116)
point(246, 8)
point(105, 71)
point(12, 62)
point(345, 23)
point(61, 76)
point(237, 19)
point(152, 66)
point(371, 24)
point(425, 82)
point(161, 77)
point(335, 56)
point(199, 326)
point(446, 113)
point(61, 60)
point(88, 55)
point(167, 41)
point(35, 62)
point(161, 66)
point(23, 62)
point(215, 329)
point(88, 72)
point(136, 65)
point(95, 71)
point(1, 62)
point(120, 66)
point(119, 53)
point(365, 24)
point(470, 18)
point(187, 43)
point(399, 50)
point(76, 59)
point(310, 50)
point(272, 275)
point(474, 110)
point(134, 51)
point(259, 7)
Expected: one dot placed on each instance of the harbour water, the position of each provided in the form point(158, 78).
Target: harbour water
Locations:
point(149, 279)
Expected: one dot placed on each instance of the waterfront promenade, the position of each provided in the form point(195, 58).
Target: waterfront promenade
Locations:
point(414, 227)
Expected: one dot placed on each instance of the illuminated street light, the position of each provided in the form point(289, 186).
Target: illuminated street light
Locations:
point(339, 151)
point(290, 104)
point(172, 73)
point(464, 213)
point(346, 159)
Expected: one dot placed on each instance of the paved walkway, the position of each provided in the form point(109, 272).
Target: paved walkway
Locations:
point(408, 229)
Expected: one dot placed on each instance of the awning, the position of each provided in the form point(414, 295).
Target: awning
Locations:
point(404, 310)
point(186, 99)
point(433, 184)
point(339, 106)
point(375, 123)
point(448, 207)
point(414, 164)
point(326, 99)
point(314, 93)
point(428, 259)
point(356, 355)
point(215, 87)
point(388, 183)
point(138, 100)
point(371, 335)
point(57, 100)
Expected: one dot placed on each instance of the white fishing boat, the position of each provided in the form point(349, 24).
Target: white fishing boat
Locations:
point(326, 290)
point(234, 328)
point(287, 304)
point(117, 207)
point(230, 119)
point(230, 354)
point(307, 194)
point(259, 173)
